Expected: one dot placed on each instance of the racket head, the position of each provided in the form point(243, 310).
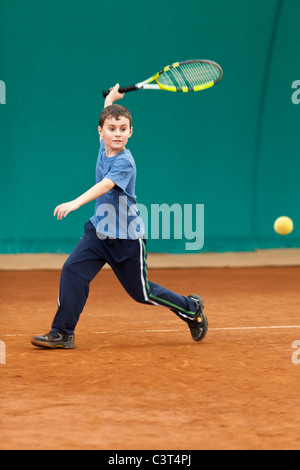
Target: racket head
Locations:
point(190, 75)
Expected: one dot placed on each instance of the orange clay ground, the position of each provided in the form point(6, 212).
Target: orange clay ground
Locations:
point(138, 381)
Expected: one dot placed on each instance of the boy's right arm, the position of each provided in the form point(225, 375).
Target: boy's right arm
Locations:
point(100, 188)
point(93, 193)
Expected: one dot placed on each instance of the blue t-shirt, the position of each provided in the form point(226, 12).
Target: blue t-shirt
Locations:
point(116, 213)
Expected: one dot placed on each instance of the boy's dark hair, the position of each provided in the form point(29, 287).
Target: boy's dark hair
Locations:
point(114, 110)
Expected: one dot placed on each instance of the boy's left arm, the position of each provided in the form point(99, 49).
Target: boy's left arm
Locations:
point(113, 96)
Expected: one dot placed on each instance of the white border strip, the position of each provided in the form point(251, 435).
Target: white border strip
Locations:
point(232, 328)
point(279, 327)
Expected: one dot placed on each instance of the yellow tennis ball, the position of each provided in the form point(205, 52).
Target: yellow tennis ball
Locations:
point(283, 225)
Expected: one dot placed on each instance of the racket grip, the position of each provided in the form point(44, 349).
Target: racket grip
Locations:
point(125, 89)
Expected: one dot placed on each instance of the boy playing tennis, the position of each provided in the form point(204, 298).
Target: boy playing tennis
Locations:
point(112, 237)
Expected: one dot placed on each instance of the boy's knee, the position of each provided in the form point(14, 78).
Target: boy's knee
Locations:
point(69, 268)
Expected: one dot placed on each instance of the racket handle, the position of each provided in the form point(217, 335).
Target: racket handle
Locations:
point(125, 89)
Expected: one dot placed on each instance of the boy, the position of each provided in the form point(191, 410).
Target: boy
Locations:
point(114, 239)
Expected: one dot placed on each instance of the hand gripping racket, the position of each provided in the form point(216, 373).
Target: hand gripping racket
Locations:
point(190, 75)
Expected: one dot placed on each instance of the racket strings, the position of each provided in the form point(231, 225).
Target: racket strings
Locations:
point(189, 75)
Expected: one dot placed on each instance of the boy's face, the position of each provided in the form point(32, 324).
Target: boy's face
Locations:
point(115, 133)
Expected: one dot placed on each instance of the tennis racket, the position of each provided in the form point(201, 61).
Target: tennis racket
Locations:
point(190, 75)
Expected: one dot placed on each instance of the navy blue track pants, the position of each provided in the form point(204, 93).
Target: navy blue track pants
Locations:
point(128, 259)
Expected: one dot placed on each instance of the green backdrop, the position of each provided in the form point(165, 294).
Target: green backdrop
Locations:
point(234, 148)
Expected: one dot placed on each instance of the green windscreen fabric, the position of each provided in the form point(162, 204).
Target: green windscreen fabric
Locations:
point(233, 148)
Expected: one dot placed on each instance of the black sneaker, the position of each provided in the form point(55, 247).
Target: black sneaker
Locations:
point(199, 325)
point(54, 340)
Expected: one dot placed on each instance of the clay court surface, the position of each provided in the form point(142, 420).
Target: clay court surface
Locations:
point(138, 381)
